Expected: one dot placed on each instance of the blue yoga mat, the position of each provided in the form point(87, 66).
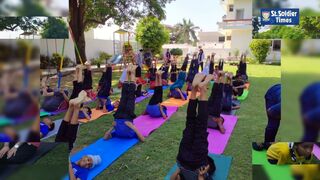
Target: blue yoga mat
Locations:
point(109, 151)
point(223, 164)
point(163, 87)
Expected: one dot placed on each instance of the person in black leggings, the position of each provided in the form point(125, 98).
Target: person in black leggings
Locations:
point(227, 103)
point(154, 108)
point(211, 65)
point(173, 71)
point(192, 159)
point(273, 109)
point(215, 120)
point(123, 126)
point(185, 63)
point(77, 82)
point(221, 62)
point(242, 68)
point(69, 126)
point(105, 89)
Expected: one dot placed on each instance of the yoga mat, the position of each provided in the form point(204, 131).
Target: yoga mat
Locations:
point(141, 98)
point(55, 130)
point(223, 164)
point(244, 95)
point(274, 172)
point(232, 112)
point(109, 151)
point(163, 87)
point(53, 113)
point(4, 121)
point(24, 133)
point(316, 151)
point(94, 115)
point(174, 102)
point(218, 141)
point(44, 113)
point(147, 124)
point(44, 148)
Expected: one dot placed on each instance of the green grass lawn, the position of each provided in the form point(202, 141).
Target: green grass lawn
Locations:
point(297, 73)
point(154, 158)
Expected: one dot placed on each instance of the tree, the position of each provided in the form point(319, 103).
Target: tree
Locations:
point(30, 8)
point(22, 23)
point(151, 34)
point(185, 31)
point(311, 26)
point(281, 32)
point(54, 28)
point(256, 24)
point(260, 49)
point(309, 12)
point(87, 14)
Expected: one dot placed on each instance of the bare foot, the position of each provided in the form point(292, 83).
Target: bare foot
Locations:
point(197, 79)
point(222, 129)
point(107, 136)
point(206, 81)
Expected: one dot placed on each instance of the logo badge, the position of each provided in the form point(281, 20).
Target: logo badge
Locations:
point(266, 15)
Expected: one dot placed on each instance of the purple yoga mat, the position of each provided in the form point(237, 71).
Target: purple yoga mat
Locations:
point(55, 112)
point(146, 124)
point(141, 98)
point(218, 141)
point(316, 151)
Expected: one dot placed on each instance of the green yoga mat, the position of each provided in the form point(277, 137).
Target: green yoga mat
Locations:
point(244, 95)
point(43, 113)
point(274, 172)
point(4, 121)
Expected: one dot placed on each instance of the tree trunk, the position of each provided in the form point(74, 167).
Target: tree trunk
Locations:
point(77, 27)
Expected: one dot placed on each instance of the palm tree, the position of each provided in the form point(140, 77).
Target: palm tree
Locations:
point(186, 31)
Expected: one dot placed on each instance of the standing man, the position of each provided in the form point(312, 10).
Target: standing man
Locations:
point(139, 58)
point(201, 58)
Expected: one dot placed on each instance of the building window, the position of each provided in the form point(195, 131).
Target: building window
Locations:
point(231, 8)
point(228, 38)
point(221, 38)
point(276, 45)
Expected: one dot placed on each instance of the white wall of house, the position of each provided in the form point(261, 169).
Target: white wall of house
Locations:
point(93, 47)
point(273, 56)
point(240, 39)
point(310, 46)
point(246, 5)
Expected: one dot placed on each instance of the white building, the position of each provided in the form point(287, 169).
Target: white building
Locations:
point(236, 24)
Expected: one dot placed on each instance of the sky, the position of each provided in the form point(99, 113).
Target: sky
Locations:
point(314, 4)
point(203, 13)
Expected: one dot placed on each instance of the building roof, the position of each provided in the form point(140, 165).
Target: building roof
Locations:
point(209, 36)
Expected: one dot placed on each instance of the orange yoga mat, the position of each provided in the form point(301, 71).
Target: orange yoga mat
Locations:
point(176, 102)
point(94, 115)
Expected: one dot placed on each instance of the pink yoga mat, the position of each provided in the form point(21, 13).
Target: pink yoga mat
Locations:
point(218, 141)
point(147, 124)
point(316, 151)
point(141, 98)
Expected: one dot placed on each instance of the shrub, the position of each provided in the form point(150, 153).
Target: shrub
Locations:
point(54, 61)
point(176, 52)
point(252, 60)
point(260, 49)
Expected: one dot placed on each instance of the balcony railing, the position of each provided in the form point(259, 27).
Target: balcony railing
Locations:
point(235, 23)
